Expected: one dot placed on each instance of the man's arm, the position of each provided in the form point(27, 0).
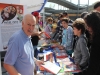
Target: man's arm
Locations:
point(84, 52)
point(11, 70)
point(11, 57)
point(37, 33)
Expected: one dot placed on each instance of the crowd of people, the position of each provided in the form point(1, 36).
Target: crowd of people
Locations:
point(80, 39)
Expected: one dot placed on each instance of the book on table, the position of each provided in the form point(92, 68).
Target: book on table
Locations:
point(51, 67)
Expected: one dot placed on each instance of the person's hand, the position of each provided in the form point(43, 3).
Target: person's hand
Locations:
point(77, 66)
point(19, 74)
point(40, 33)
point(71, 64)
point(54, 46)
point(39, 63)
point(53, 41)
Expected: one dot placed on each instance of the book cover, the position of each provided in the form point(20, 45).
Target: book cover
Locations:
point(61, 55)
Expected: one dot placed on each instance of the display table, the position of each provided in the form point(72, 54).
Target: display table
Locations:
point(62, 61)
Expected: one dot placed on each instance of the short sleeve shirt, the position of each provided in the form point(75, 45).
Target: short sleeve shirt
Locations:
point(20, 53)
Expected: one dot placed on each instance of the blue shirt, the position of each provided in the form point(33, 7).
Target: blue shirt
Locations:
point(20, 53)
point(67, 38)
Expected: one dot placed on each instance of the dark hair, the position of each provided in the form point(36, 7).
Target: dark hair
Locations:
point(97, 4)
point(80, 24)
point(60, 16)
point(65, 19)
point(83, 14)
point(93, 20)
point(65, 13)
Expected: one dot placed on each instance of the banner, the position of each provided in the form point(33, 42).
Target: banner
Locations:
point(11, 16)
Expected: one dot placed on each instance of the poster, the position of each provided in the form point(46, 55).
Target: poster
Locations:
point(11, 16)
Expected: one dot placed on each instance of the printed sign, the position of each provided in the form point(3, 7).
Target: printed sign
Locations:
point(11, 16)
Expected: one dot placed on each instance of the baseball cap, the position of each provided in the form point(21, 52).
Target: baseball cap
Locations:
point(36, 14)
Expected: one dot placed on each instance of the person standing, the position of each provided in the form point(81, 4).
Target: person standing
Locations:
point(81, 52)
point(65, 15)
point(93, 22)
point(67, 37)
point(19, 59)
point(47, 28)
point(97, 6)
point(36, 33)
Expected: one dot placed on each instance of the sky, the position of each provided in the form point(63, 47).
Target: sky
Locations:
point(82, 2)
